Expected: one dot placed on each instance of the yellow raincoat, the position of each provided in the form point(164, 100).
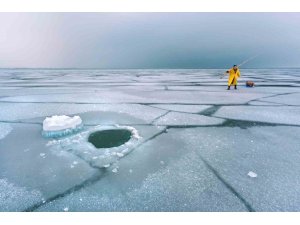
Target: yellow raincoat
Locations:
point(233, 76)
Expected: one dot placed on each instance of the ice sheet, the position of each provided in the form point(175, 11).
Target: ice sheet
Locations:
point(263, 103)
point(268, 114)
point(271, 152)
point(183, 119)
point(183, 108)
point(31, 164)
point(174, 169)
point(140, 96)
point(165, 174)
point(287, 99)
point(15, 198)
point(10, 112)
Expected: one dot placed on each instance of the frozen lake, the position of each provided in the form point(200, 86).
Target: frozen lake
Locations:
point(198, 147)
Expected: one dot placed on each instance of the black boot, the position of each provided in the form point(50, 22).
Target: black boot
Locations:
point(235, 87)
point(228, 88)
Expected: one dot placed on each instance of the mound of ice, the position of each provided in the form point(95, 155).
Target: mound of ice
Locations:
point(57, 126)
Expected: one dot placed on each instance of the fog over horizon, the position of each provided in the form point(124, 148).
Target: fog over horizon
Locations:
point(149, 40)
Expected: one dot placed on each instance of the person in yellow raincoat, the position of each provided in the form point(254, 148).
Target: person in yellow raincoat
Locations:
point(234, 74)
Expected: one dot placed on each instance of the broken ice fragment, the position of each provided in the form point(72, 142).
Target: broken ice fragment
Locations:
point(58, 126)
point(115, 170)
point(252, 174)
point(120, 154)
point(66, 209)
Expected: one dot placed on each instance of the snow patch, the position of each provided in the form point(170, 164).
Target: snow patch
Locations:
point(252, 174)
point(135, 133)
point(15, 198)
point(5, 129)
point(120, 154)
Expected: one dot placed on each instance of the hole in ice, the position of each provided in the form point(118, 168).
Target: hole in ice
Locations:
point(109, 138)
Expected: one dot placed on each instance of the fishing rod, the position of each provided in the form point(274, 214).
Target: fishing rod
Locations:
point(242, 63)
point(247, 60)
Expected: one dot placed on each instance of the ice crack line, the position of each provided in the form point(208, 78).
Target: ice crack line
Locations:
point(157, 118)
point(211, 110)
point(271, 96)
point(231, 188)
point(87, 182)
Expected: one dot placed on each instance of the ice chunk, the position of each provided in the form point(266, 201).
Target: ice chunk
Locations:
point(57, 126)
point(115, 170)
point(120, 154)
point(252, 174)
point(57, 123)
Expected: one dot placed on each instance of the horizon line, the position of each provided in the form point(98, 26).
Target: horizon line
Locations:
point(95, 68)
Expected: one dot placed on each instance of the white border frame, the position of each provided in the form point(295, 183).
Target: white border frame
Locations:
point(149, 5)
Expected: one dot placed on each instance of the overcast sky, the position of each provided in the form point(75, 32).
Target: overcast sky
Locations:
point(149, 40)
